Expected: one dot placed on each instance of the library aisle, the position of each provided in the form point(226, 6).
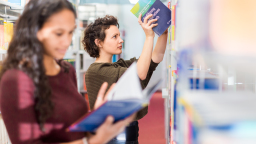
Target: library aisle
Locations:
point(152, 125)
point(208, 94)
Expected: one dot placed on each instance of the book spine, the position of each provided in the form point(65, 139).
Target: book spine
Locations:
point(1, 34)
point(6, 44)
point(10, 29)
point(173, 21)
point(8, 33)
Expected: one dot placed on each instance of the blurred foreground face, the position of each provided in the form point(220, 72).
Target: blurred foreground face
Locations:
point(56, 33)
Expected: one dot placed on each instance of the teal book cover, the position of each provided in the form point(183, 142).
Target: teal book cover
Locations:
point(159, 11)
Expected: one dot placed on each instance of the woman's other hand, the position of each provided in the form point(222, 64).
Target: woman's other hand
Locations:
point(148, 25)
point(101, 98)
point(108, 130)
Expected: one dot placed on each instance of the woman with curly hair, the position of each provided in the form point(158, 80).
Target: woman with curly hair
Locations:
point(102, 40)
point(38, 91)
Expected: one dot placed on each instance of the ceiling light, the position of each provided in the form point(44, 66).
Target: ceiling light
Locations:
point(133, 1)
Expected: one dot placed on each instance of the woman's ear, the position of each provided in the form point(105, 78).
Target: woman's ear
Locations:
point(98, 43)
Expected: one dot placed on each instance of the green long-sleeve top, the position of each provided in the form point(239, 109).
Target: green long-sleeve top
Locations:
point(98, 73)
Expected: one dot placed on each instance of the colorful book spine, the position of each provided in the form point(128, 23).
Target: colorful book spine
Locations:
point(173, 28)
point(10, 27)
point(114, 59)
point(8, 34)
point(71, 61)
point(173, 21)
point(6, 44)
point(1, 34)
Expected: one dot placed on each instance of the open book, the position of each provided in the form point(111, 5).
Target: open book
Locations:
point(126, 98)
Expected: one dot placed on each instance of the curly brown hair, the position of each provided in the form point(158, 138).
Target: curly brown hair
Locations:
point(96, 30)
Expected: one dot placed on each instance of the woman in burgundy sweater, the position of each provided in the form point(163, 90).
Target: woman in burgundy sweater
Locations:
point(38, 91)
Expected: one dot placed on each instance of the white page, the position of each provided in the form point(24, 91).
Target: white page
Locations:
point(128, 86)
point(149, 91)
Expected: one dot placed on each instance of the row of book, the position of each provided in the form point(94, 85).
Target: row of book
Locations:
point(211, 106)
point(213, 89)
point(6, 33)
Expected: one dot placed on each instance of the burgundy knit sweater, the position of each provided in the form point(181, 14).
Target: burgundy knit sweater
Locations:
point(17, 108)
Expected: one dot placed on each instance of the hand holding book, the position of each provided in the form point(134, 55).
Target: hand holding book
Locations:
point(101, 99)
point(108, 130)
point(147, 25)
point(158, 10)
point(123, 101)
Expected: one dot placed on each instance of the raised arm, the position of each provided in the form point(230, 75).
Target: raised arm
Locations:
point(146, 55)
point(158, 53)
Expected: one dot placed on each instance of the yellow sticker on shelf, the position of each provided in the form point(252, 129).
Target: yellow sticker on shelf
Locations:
point(192, 113)
point(1, 33)
point(173, 32)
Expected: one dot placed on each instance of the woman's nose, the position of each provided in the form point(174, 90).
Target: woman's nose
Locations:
point(121, 41)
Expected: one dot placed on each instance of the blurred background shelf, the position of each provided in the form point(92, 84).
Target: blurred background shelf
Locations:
point(9, 10)
point(10, 5)
point(3, 51)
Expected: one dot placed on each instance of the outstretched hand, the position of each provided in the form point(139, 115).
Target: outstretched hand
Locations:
point(101, 98)
point(148, 25)
point(108, 129)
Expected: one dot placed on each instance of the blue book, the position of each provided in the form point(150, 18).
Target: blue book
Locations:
point(126, 98)
point(159, 11)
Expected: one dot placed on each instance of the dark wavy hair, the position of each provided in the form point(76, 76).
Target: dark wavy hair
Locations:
point(96, 30)
point(26, 51)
